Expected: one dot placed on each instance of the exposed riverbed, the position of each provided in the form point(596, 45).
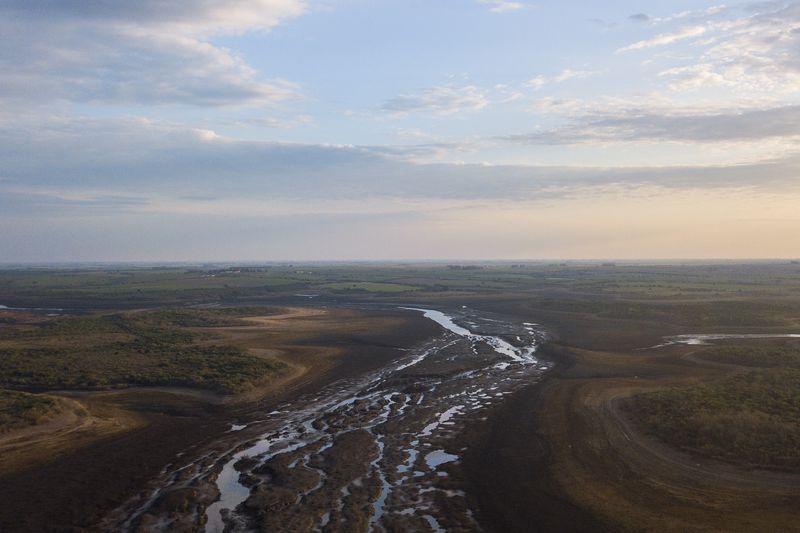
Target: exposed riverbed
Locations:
point(372, 454)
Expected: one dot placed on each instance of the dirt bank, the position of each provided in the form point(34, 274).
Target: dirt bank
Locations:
point(508, 467)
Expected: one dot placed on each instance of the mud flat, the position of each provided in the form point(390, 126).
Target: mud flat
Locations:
point(378, 453)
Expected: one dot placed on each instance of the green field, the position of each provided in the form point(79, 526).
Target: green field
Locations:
point(367, 286)
point(625, 286)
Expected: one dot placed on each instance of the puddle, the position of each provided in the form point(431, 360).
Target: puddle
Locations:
point(439, 457)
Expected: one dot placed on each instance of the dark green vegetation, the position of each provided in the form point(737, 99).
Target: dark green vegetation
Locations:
point(751, 418)
point(759, 356)
point(19, 409)
point(137, 287)
point(134, 348)
point(365, 286)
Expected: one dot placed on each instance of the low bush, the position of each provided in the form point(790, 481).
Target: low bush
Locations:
point(753, 418)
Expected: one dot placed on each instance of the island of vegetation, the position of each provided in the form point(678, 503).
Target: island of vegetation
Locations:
point(166, 347)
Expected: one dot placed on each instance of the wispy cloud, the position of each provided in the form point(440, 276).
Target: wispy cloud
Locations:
point(636, 124)
point(666, 38)
point(502, 6)
point(738, 54)
point(568, 74)
point(440, 100)
point(691, 14)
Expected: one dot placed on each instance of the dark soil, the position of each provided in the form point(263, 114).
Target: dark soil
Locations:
point(507, 470)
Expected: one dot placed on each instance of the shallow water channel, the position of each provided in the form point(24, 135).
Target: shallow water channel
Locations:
point(702, 339)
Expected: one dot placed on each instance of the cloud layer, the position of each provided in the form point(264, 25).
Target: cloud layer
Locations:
point(146, 52)
point(441, 100)
point(488, 128)
point(638, 125)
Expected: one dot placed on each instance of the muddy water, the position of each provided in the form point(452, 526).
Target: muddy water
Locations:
point(373, 454)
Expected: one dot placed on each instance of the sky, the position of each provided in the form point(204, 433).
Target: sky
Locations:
point(273, 130)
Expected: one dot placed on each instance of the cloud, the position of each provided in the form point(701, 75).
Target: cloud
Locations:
point(694, 77)
point(502, 6)
point(283, 123)
point(559, 106)
point(639, 125)
point(440, 100)
point(666, 38)
point(568, 74)
point(188, 17)
point(139, 189)
point(746, 56)
point(147, 52)
point(755, 54)
point(692, 14)
point(639, 17)
point(742, 54)
point(140, 166)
